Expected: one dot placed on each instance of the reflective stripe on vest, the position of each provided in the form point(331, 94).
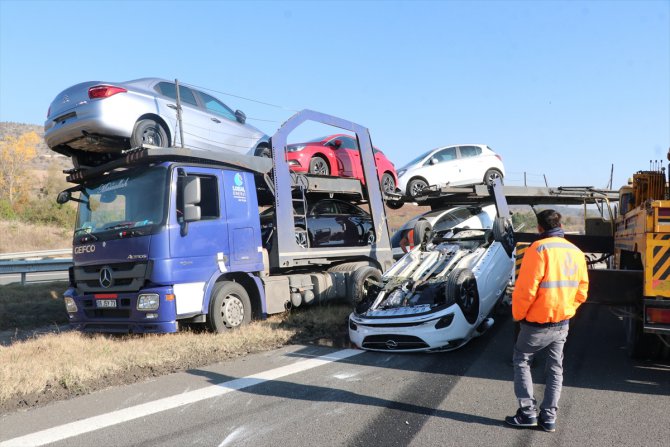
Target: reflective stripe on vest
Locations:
point(549, 245)
point(558, 284)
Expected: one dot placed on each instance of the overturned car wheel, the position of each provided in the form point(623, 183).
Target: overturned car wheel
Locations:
point(462, 288)
point(360, 281)
point(422, 232)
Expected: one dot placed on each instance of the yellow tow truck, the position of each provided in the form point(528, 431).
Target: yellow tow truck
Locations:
point(642, 244)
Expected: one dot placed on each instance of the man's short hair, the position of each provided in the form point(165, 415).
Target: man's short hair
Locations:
point(549, 219)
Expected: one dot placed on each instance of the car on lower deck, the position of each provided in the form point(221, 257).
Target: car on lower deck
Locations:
point(327, 223)
point(95, 121)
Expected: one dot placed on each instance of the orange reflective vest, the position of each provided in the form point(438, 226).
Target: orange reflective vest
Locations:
point(552, 283)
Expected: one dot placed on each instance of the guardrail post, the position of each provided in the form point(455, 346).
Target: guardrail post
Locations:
point(23, 278)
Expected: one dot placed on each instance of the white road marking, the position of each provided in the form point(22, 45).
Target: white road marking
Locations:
point(77, 428)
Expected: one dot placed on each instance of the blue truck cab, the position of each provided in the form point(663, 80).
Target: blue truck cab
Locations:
point(173, 235)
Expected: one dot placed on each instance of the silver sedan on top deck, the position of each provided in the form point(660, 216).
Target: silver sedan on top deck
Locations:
point(94, 121)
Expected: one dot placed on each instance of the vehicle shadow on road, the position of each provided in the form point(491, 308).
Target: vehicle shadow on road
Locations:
point(298, 391)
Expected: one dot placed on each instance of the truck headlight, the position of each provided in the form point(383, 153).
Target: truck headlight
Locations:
point(70, 305)
point(148, 301)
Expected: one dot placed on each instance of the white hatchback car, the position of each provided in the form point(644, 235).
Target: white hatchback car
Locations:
point(458, 165)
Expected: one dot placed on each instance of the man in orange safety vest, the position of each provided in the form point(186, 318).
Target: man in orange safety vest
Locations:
point(552, 283)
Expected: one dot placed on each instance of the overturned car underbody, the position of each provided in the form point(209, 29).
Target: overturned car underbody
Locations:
point(439, 295)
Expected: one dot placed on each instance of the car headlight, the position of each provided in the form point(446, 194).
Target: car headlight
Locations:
point(148, 301)
point(401, 172)
point(70, 305)
point(295, 148)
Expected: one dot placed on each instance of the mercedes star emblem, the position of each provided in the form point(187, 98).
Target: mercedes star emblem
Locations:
point(106, 279)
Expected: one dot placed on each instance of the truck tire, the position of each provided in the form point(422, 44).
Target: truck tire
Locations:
point(148, 131)
point(229, 307)
point(462, 288)
point(358, 283)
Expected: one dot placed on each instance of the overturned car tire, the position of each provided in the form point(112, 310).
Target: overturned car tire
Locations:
point(359, 283)
point(422, 232)
point(462, 288)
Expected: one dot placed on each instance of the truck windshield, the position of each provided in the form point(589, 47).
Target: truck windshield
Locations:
point(134, 201)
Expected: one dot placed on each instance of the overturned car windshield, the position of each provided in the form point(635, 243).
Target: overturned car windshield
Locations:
point(134, 201)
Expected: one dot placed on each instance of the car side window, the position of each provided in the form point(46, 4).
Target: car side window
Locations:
point(350, 210)
point(349, 143)
point(170, 90)
point(443, 155)
point(209, 198)
point(470, 151)
point(325, 207)
point(215, 106)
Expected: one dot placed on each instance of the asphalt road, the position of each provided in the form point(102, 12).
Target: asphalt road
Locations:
point(371, 399)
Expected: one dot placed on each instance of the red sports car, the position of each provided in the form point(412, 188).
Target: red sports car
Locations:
point(338, 155)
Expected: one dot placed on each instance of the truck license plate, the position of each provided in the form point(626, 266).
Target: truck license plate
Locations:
point(105, 303)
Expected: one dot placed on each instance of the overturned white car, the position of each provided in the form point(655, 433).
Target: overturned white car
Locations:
point(439, 295)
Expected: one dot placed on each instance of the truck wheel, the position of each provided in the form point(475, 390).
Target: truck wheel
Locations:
point(358, 282)
point(388, 184)
point(229, 307)
point(318, 165)
point(462, 288)
point(394, 204)
point(148, 131)
point(504, 233)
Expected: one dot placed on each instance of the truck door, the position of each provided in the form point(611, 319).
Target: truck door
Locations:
point(195, 253)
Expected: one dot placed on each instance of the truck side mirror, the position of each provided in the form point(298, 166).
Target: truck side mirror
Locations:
point(192, 196)
point(63, 197)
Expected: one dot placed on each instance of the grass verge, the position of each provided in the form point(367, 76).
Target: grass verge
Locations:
point(59, 365)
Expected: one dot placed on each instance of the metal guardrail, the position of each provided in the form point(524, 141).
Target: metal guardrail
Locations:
point(58, 253)
point(35, 262)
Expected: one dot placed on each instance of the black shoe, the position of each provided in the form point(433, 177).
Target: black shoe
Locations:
point(521, 420)
point(548, 426)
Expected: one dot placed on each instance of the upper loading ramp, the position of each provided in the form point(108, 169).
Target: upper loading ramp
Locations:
point(287, 253)
point(515, 195)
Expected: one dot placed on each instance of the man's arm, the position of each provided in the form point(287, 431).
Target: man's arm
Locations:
point(527, 283)
point(583, 287)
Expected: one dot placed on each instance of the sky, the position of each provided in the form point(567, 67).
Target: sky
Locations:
point(562, 90)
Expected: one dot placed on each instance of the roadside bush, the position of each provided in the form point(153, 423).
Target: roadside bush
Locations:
point(6, 210)
point(47, 211)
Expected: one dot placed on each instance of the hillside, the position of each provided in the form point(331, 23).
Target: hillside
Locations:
point(45, 156)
